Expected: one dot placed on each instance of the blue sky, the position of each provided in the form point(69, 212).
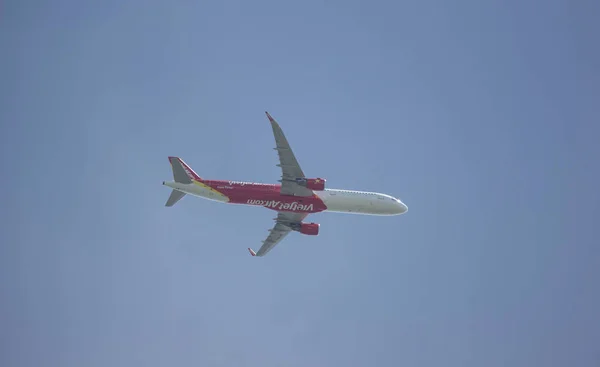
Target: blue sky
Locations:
point(481, 116)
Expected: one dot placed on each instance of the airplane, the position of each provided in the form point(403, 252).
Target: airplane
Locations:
point(294, 198)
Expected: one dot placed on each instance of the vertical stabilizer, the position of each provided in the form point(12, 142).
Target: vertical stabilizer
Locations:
point(179, 173)
point(183, 173)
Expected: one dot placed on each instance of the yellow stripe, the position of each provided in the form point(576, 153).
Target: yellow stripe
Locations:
point(210, 189)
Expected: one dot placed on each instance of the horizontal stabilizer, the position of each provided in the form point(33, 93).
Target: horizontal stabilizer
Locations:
point(175, 197)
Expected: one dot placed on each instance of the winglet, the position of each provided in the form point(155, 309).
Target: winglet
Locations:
point(251, 251)
point(270, 118)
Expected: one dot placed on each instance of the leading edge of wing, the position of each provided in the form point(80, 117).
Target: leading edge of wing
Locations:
point(290, 168)
point(279, 231)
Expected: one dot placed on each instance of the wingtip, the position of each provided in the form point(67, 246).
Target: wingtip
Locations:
point(270, 117)
point(251, 251)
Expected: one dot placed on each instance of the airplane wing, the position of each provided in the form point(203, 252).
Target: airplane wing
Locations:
point(290, 169)
point(279, 231)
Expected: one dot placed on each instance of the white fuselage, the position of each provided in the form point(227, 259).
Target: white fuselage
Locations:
point(361, 202)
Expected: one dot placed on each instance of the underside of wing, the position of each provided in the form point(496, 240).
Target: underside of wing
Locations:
point(290, 169)
point(281, 229)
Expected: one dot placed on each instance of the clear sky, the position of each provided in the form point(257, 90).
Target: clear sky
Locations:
point(482, 116)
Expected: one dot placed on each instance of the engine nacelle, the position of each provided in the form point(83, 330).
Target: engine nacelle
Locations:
point(311, 229)
point(317, 184)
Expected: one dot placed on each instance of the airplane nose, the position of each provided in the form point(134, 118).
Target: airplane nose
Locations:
point(401, 207)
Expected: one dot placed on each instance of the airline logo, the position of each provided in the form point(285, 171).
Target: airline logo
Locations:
point(278, 205)
point(243, 183)
point(189, 173)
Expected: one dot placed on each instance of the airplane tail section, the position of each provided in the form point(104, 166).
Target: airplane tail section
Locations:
point(182, 173)
point(175, 197)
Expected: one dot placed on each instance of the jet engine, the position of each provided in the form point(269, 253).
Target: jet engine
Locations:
point(311, 229)
point(317, 184)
